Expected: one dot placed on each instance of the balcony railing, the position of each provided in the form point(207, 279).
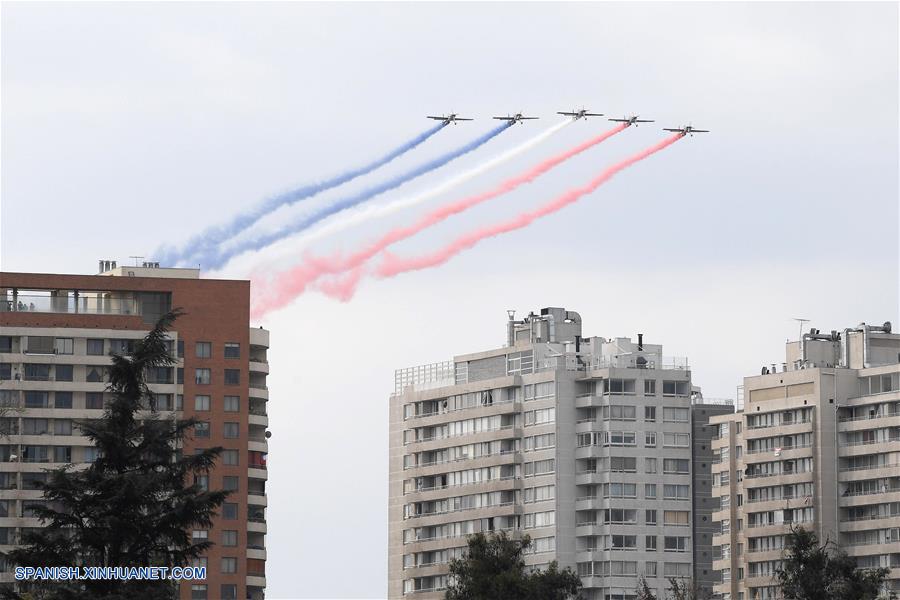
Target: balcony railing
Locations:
point(69, 304)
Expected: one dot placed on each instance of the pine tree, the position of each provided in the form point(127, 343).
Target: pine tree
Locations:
point(135, 506)
point(493, 569)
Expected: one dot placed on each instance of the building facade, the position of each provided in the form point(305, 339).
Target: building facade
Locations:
point(583, 443)
point(818, 445)
point(57, 334)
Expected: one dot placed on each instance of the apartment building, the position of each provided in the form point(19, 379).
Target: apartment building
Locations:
point(817, 444)
point(583, 443)
point(57, 334)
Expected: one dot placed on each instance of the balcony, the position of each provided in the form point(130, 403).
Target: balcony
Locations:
point(86, 303)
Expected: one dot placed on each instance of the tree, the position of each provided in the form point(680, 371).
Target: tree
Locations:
point(813, 571)
point(643, 590)
point(493, 569)
point(134, 506)
point(686, 589)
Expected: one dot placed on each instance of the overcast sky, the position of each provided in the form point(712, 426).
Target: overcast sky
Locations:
point(130, 125)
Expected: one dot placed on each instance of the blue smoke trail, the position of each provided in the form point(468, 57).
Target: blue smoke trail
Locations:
point(214, 260)
point(212, 237)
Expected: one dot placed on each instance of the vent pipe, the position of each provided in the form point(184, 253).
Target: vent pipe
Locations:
point(640, 342)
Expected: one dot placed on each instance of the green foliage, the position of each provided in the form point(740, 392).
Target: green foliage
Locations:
point(686, 589)
point(136, 504)
point(813, 571)
point(493, 569)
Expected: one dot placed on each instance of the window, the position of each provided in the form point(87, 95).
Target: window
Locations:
point(200, 535)
point(539, 442)
point(228, 590)
point(618, 386)
point(618, 413)
point(229, 511)
point(198, 591)
point(649, 387)
point(62, 454)
point(202, 376)
point(203, 482)
point(676, 440)
point(678, 518)
point(675, 415)
point(540, 493)
point(231, 430)
point(37, 399)
point(62, 427)
point(541, 519)
point(5, 343)
point(201, 403)
point(620, 542)
point(95, 374)
point(90, 454)
point(232, 376)
point(649, 413)
point(232, 350)
point(623, 464)
point(676, 465)
point(204, 349)
point(538, 417)
point(649, 465)
point(93, 400)
point(676, 492)
point(676, 388)
point(232, 403)
point(62, 400)
point(64, 372)
point(5, 371)
point(541, 467)
point(229, 537)
point(677, 569)
point(179, 348)
point(650, 517)
point(229, 564)
point(650, 439)
point(34, 426)
point(620, 516)
point(230, 457)
point(201, 429)
point(230, 483)
point(95, 347)
point(650, 491)
point(619, 490)
point(619, 438)
point(39, 344)
point(650, 568)
point(650, 542)
point(65, 345)
point(36, 372)
point(675, 544)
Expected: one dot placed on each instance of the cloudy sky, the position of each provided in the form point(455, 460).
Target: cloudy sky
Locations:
point(128, 126)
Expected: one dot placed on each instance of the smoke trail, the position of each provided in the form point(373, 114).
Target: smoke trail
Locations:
point(394, 265)
point(373, 212)
point(297, 279)
point(217, 259)
point(213, 236)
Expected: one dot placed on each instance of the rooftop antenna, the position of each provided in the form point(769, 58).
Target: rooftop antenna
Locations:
point(135, 259)
point(801, 321)
point(511, 314)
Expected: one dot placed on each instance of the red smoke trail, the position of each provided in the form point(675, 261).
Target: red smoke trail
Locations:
point(296, 280)
point(394, 265)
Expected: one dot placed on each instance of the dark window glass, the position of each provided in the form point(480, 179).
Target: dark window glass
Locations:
point(37, 399)
point(230, 483)
point(201, 429)
point(5, 371)
point(93, 400)
point(229, 511)
point(232, 376)
point(5, 343)
point(62, 400)
point(95, 347)
point(232, 350)
point(64, 372)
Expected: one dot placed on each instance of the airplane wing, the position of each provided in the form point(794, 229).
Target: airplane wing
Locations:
point(668, 129)
point(699, 130)
point(437, 118)
point(528, 118)
point(593, 114)
point(504, 118)
point(620, 120)
point(463, 119)
point(643, 120)
point(568, 114)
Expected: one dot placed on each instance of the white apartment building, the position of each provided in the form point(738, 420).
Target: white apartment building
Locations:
point(583, 443)
point(817, 444)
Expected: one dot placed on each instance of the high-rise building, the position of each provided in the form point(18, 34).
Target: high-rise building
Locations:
point(57, 334)
point(584, 443)
point(817, 444)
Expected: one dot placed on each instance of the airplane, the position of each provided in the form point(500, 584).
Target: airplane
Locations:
point(451, 118)
point(516, 118)
point(632, 120)
point(687, 130)
point(579, 114)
